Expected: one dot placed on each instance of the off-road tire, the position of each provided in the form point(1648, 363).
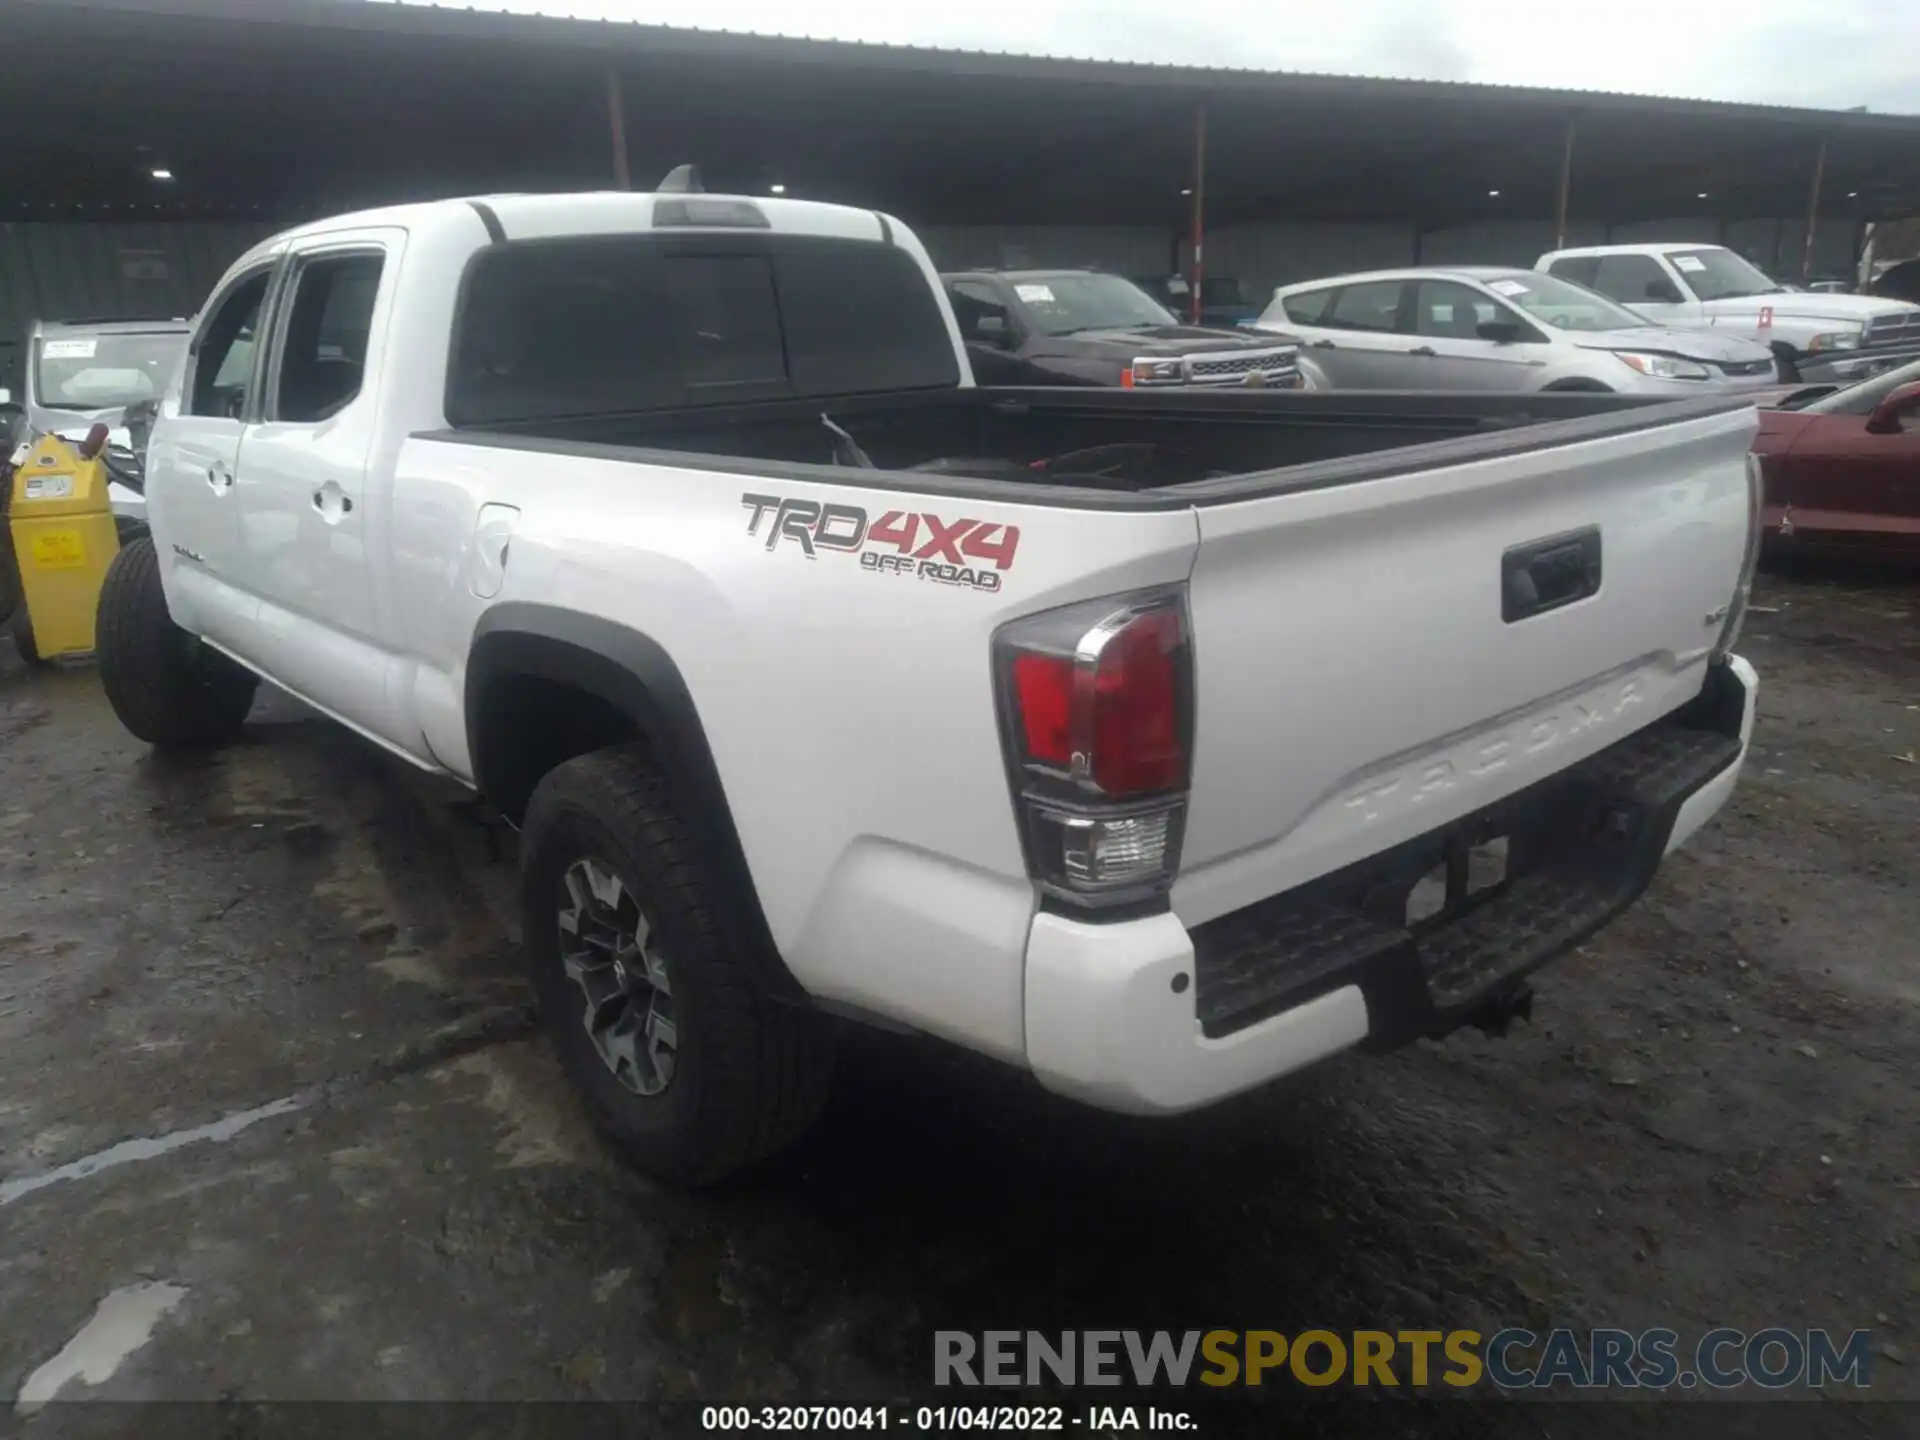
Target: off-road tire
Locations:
point(167, 688)
point(751, 1072)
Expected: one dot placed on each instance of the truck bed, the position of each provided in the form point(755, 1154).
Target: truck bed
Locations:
point(1203, 445)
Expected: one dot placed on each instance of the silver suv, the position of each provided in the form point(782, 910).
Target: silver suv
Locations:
point(1474, 327)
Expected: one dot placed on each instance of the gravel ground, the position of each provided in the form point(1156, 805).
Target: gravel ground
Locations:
point(1712, 1118)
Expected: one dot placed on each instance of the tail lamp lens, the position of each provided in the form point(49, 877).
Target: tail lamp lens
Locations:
point(1096, 708)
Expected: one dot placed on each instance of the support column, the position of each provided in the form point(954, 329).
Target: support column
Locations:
point(1199, 210)
point(1813, 211)
point(617, 119)
point(1566, 186)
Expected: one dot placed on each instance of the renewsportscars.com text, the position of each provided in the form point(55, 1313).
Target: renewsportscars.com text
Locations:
point(1512, 1359)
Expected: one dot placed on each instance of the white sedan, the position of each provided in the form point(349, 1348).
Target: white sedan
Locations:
point(1476, 327)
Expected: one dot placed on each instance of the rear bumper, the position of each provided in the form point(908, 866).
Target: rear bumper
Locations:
point(1149, 1017)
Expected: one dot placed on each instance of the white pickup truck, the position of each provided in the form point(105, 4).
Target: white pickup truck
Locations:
point(1815, 335)
point(1160, 743)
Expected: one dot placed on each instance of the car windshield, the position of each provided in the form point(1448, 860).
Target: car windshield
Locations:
point(105, 371)
point(1716, 274)
point(1061, 304)
point(1563, 304)
point(1860, 397)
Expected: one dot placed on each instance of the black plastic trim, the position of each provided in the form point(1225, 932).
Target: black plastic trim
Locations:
point(886, 228)
point(631, 672)
point(489, 217)
point(1515, 428)
point(1413, 982)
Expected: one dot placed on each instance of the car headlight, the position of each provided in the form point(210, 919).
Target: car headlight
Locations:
point(1662, 367)
point(1837, 340)
point(1156, 372)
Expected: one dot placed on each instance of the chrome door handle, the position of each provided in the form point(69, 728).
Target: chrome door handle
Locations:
point(1421, 350)
point(220, 478)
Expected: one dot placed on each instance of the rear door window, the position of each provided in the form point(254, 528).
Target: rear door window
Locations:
point(1306, 308)
point(1631, 280)
point(599, 326)
point(1580, 269)
point(1372, 305)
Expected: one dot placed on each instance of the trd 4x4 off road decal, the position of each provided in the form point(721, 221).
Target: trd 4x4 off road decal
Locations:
point(900, 542)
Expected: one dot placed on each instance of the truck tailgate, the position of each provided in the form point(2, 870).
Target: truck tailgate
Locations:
point(1378, 659)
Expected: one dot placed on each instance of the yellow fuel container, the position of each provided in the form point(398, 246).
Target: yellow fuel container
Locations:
point(63, 539)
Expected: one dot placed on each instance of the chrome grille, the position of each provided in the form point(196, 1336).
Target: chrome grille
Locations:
point(1900, 329)
point(1226, 369)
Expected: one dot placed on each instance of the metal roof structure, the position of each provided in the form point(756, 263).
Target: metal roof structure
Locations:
point(283, 110)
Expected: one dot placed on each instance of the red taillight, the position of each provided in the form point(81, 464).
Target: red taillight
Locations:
point(1137, 746)
point(1097, 717)
point(1043, 690)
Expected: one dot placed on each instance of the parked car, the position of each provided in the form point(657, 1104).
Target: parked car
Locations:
point(1106, 732)
point(1491, 328)
point(1083, 327)
point(1818, 337)
point(1842, 467)
point(82, 372)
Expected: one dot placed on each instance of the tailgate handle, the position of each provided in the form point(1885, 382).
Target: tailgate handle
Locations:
point(1543, 575)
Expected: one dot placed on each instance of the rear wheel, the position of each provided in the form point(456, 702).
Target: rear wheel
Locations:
point(681, 1056)
point(167, 687)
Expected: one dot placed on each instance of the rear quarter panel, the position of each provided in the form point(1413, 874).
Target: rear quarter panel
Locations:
point(849, 710)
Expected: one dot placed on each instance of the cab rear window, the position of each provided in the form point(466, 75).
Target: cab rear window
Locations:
point(615, 325)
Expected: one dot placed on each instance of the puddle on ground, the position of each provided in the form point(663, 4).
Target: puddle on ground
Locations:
point(128, 1152)
point(121, 1324)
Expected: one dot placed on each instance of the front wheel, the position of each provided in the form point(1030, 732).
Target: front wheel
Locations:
point(681, 1056)
point(167, 687)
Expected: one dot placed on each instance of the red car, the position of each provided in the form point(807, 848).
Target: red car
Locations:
point(1842, 467)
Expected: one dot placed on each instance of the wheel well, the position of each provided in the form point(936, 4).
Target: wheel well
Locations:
point(528, 724)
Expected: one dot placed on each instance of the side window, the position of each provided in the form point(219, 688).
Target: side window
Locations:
point(223, 367)
point(1374, 305)
point(978, 310)
point(323, 352)
point(1632, 280)
point(1580, 269)
point(1306, 308)
point(1449, 310)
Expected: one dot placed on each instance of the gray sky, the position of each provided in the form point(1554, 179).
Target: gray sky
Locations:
point(1829, 53)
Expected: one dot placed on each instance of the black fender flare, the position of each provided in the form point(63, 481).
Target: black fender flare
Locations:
point(634, 674)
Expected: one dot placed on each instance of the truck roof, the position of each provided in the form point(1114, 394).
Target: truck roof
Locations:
point(1645, 247)
point(158, 326)
point(609, 212)
point(1410, 272)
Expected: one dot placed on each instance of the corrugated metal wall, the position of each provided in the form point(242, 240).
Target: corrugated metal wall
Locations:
point(1263, 256)
point(1129, 250)
point(54, 271)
